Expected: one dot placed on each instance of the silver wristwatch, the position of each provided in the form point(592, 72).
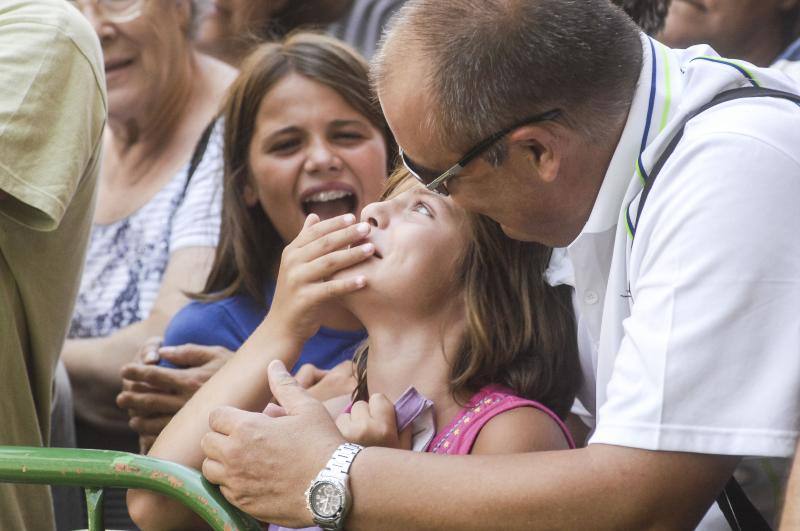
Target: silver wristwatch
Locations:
point(328, 496)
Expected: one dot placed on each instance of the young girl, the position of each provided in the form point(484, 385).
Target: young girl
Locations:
point(452, 306)
point(302, 135)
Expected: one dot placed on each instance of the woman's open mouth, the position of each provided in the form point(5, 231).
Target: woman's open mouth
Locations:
point(329, 203)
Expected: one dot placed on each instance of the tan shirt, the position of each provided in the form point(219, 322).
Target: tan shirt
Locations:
point(52, 114)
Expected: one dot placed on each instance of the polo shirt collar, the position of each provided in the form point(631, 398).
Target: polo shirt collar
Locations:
point(638, 132)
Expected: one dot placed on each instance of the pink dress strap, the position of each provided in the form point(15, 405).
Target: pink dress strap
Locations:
point(459, 436)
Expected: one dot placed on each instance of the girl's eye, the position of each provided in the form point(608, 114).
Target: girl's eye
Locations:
point(348, 136)
point(284, 146)
point(423, 209)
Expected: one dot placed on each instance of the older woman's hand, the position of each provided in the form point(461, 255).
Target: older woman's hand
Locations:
point(153, 394)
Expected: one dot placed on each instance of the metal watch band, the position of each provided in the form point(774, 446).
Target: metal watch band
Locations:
point(343, 457)
point(338, 467)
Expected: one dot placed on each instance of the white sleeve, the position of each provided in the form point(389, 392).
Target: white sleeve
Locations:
point(710, 360)
point(197, 220)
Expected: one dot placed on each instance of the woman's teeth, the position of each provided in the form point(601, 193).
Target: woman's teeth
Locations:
point(330, 203)
point(328, 195)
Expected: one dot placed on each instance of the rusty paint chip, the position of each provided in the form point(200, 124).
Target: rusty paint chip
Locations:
point(125, 468)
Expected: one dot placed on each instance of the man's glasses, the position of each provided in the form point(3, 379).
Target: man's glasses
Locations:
point(437, 181)
point(117, 11)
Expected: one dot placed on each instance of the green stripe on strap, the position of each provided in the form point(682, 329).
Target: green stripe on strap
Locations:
point(668, 81)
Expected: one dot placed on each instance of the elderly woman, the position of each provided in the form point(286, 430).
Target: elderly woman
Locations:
point(157, 217)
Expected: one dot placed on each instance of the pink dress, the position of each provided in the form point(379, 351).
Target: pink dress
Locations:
point(459, 436)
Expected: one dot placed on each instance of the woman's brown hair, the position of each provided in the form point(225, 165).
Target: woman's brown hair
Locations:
point(249, 250)
point(520, 330)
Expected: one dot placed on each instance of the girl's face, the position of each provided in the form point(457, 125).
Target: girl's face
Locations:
point(138, 54)
point(311, 152)
point(420, 238)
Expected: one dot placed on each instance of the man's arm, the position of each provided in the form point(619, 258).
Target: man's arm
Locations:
point(598, 487)
point(94, 364)
point(791, 510)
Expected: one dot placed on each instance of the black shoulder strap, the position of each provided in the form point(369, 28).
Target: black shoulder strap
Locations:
point(197, 155)
point(739, 511)
point(722, 97)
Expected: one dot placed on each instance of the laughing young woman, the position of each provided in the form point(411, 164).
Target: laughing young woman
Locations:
point(302, 136)
point(453, 307)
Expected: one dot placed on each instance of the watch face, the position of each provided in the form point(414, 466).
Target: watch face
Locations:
point(326, 499)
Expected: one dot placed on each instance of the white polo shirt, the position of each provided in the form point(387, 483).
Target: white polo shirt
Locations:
point(788, 61)
point(689, 335)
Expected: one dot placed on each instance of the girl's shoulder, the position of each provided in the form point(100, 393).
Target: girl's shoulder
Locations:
point(495, 420)
point(519, 430)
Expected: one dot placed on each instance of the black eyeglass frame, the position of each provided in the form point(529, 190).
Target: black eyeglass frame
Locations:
point(439, 184)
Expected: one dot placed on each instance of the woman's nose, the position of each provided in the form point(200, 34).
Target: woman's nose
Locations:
point(96, 19)
point(321, 158)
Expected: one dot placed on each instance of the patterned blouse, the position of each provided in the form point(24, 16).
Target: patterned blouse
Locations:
point(126, 259)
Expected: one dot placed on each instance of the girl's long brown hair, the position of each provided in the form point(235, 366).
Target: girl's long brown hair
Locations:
point(520, 330)
point(249, 250)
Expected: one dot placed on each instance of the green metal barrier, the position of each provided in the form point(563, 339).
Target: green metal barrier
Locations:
point(98, 469)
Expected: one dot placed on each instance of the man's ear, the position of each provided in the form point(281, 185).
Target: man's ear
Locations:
point(543, 146)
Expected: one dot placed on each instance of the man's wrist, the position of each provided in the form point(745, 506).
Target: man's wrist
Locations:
point(328, 496)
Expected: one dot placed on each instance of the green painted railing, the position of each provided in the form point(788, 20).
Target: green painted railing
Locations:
point(98, 469)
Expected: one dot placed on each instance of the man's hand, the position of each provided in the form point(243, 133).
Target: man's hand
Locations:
point(373, 423)
point(258, 460)
point(153, 394)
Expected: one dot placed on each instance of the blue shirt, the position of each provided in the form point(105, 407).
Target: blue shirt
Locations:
point(229, 322)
